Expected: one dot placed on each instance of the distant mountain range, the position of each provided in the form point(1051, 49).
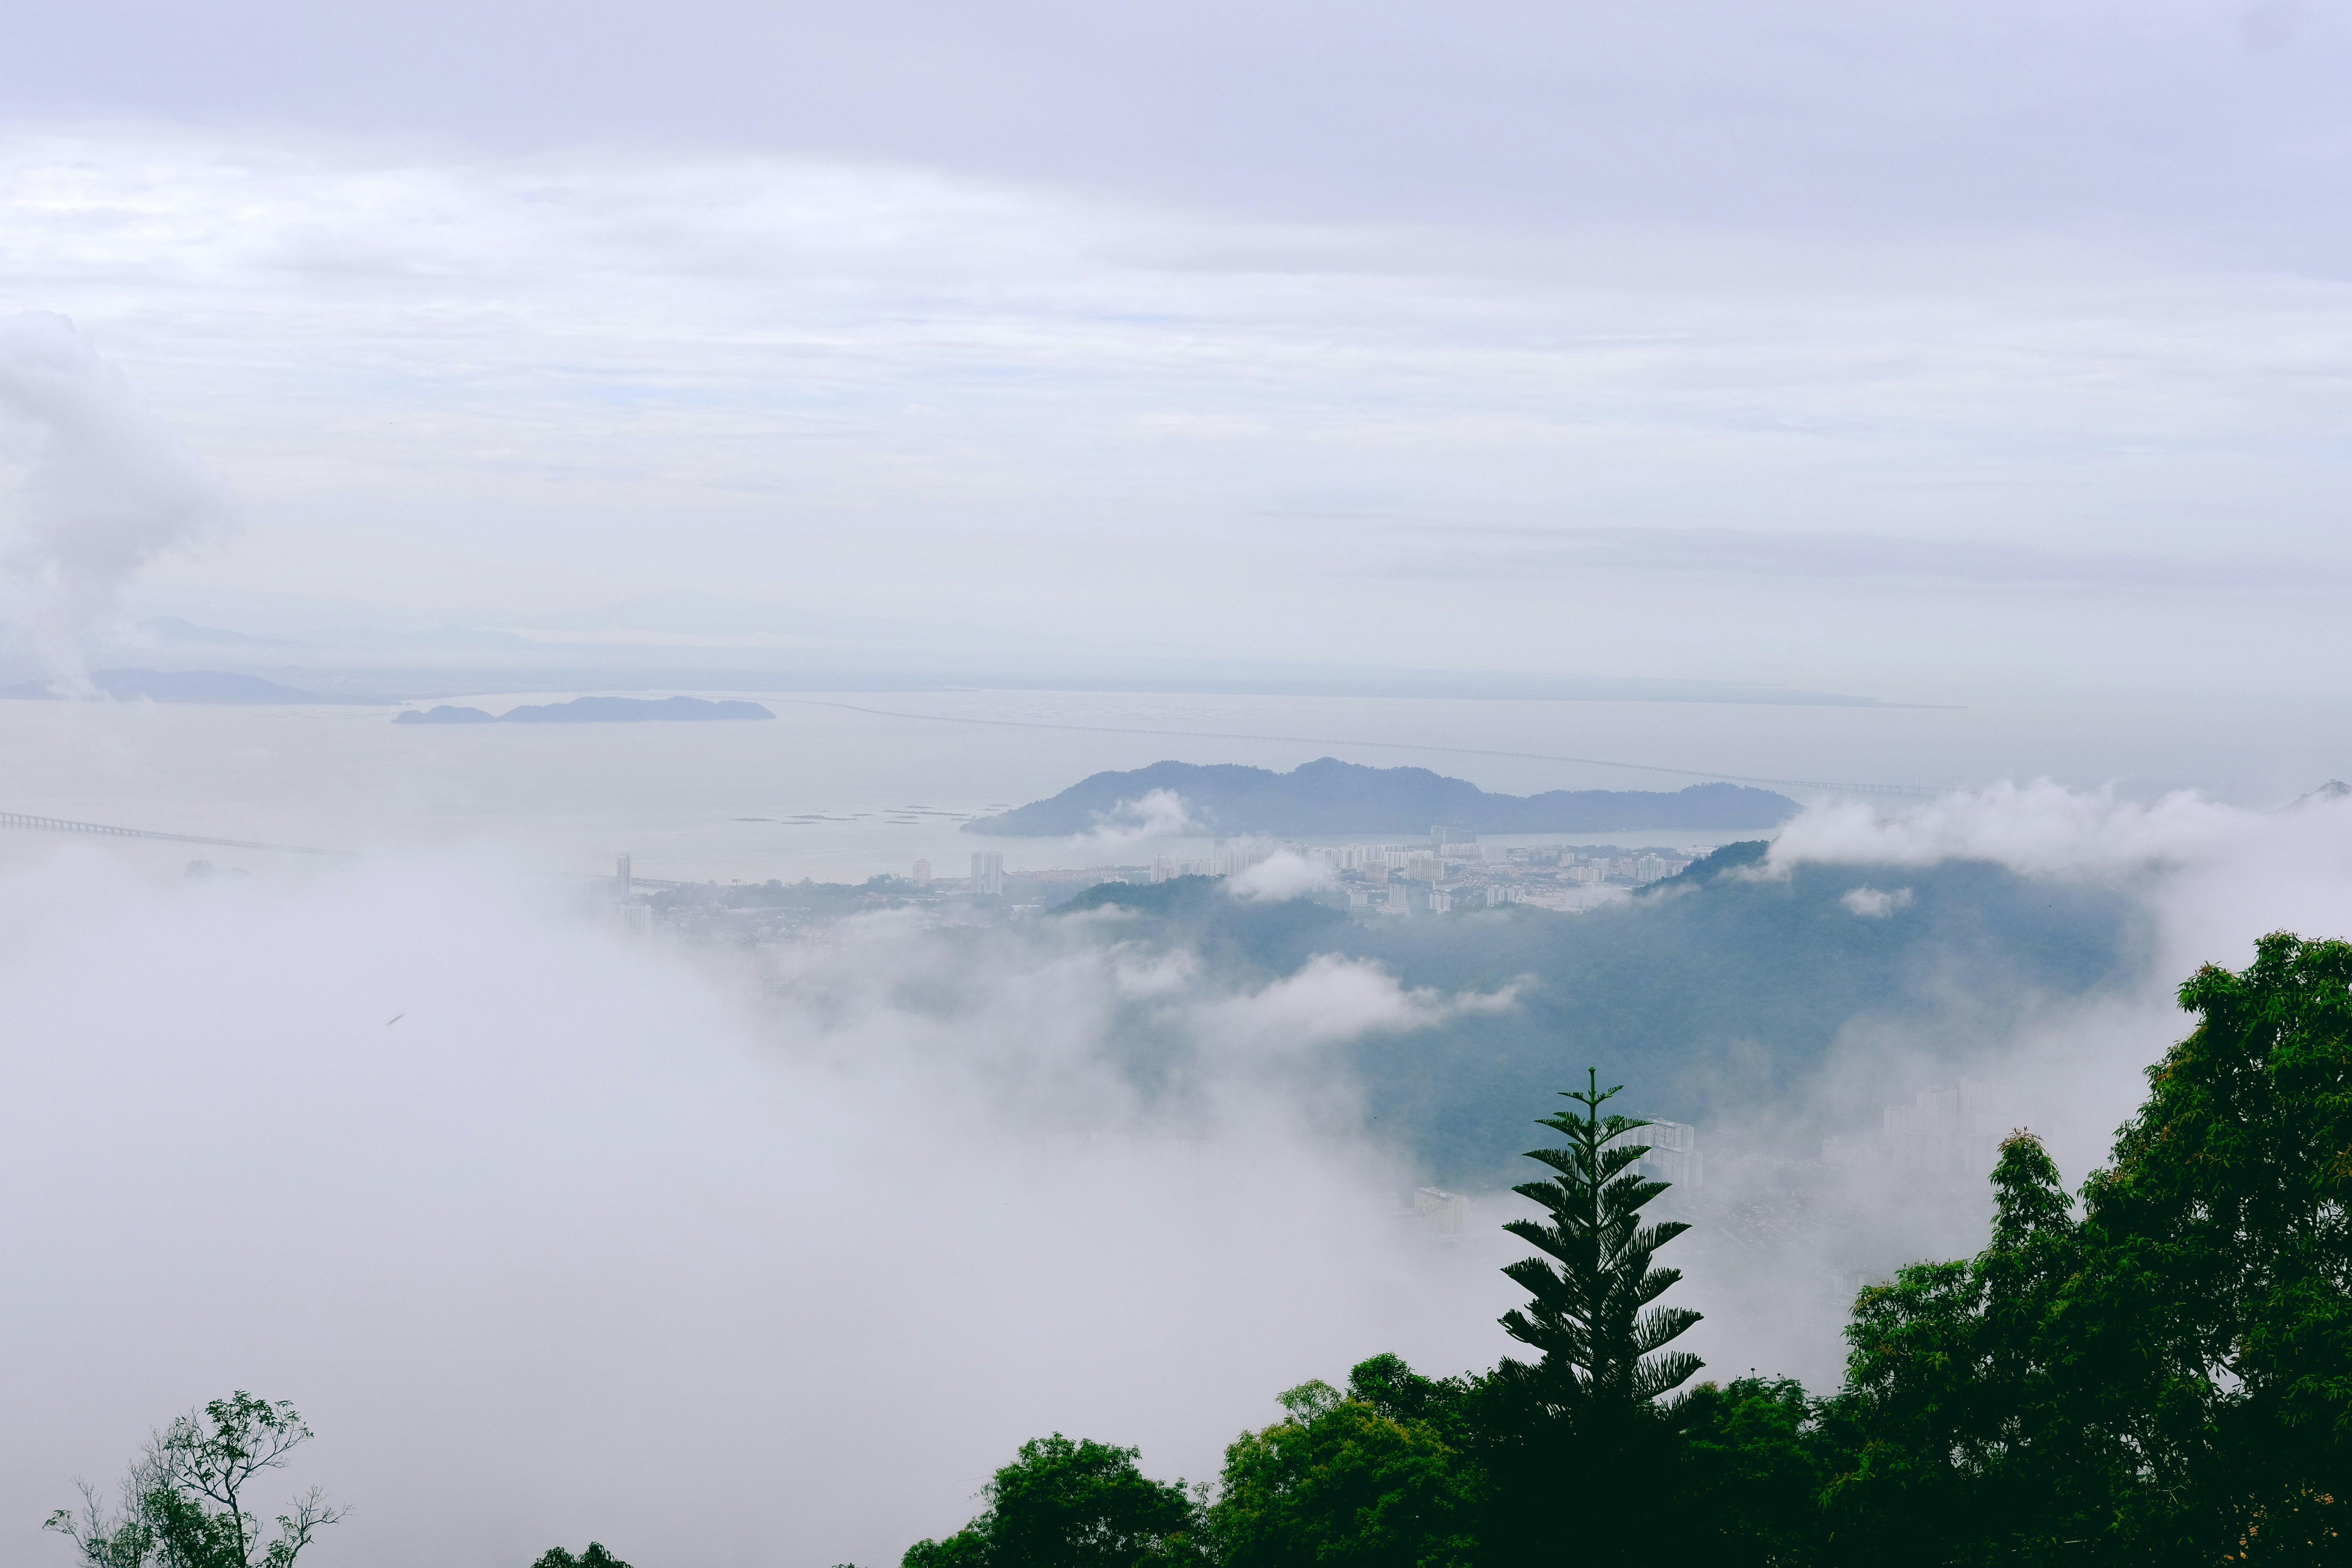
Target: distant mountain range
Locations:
point(1329, 796)
point(180, 686)
point(594, 710)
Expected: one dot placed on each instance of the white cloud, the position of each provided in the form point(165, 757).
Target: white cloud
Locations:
point(106, 486)
point(884, 389)
point(1285, 874)
point(2213, 877)
point(1329, 999)
point(1162, 974)
point(1157, 813)
point(1871, 904)
point(1132, 826)
point(2041, 827)
point(582, 1176)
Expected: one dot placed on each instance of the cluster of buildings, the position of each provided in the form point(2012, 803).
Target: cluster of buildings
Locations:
point(1949, 1132)
point(1450, 871)
point(1453, 870)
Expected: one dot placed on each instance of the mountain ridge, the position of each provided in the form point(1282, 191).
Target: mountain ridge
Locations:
point(1329, 796)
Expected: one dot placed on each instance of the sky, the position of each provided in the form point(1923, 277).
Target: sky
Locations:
point(1933, 356)
point(1995, 357)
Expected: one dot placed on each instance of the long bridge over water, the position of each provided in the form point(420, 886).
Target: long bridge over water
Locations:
point(61, 825)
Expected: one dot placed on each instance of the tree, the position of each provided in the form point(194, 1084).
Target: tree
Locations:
point(1755, 1455)
point(1587, 1408)
point(2169, 1380)
point(595, 1557)
point(2213, 1327)
point(1602, 1341)
point(1363, 1479)
point(1064, 1504)
point(1969, 1436)
point(183, 1501)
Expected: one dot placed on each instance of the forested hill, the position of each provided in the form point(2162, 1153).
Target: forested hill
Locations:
point(1329, 796)
point(1707, 997)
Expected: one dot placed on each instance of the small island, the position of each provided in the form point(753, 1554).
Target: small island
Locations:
point(594, 711)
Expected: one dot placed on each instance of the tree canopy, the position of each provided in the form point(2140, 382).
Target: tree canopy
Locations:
point(2154, 1371)
point(1071, 1504)
point(184, 1504)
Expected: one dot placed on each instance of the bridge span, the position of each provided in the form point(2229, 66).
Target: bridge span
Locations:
point(61, 825)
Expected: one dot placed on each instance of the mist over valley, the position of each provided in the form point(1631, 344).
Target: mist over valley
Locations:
point(1165, 787)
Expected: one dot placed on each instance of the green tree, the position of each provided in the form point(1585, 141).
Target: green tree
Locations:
point(183, 1503)
point(595, 1557)
point(1962, 1395)
point(1364, 1480)
point(2169, 1380)
point(2213, 1328)
point(1588, 1406)
point(1064, 1504)
point(1755, 1455)
point(1591, 1315)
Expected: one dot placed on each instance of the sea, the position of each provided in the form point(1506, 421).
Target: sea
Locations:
point(843, 785)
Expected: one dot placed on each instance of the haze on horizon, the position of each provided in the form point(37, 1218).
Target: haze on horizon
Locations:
point(1354, 362)
point(1958, 356)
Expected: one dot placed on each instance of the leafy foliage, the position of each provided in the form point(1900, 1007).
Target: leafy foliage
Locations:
point(595, 1557)
point(183, 1502)
point(2170, 1378)
point(1366, 1478)
point(1065, 1504)
point(1754, 1457)
point(2214, 1331)
point(1591, 1316)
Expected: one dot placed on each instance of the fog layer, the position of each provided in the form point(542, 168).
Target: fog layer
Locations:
point(721, 1260)
point(594, 1242)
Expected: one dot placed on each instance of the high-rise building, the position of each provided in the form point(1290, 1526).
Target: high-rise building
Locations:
point(988, 873)
point(922, 873)
point(1669, 1152)
point(621, 877)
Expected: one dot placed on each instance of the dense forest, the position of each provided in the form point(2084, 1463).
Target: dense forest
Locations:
point(2156, 1369)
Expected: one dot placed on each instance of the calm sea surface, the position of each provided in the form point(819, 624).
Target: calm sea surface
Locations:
point(881, 779)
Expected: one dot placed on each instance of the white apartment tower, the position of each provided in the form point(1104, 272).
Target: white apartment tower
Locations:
point(988, 872)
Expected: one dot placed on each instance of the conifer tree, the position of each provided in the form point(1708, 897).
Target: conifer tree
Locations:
point(1591, 1316)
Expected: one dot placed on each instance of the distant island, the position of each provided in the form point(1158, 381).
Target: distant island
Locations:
point(177, 686)
point(1329, 796)
point(594, 710)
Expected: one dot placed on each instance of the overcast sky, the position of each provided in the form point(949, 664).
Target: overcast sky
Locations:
point(1931, 354)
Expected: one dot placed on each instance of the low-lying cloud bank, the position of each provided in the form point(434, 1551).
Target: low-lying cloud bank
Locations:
point(597, 1240)
point(557, 1234)
point(1912, 1101)
point(2215, 876)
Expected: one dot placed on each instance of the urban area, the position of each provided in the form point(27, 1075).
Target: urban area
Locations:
point(1450, 871)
